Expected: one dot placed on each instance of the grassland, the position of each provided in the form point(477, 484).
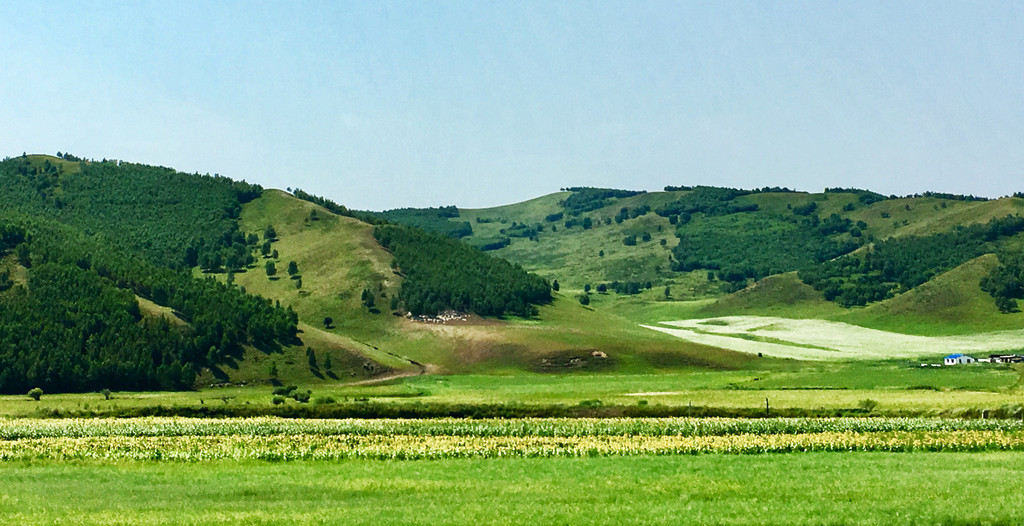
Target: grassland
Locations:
point(890, 387)
point(811, 488)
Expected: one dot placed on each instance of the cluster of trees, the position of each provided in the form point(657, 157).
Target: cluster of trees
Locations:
point(442, 273)
point(1005, 283)
point(754, 247)
point(762, 190)
point(626, 213)
point(625, 287)
point(487, 245)
point(522, 230)
point(866, 197)
point(586, 222)
point(431, 219)
point(899, 264)
point(708, 200)
point(586, 199)
point(335, 208)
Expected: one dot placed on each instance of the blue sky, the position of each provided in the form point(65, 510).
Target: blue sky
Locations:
point(381, 105)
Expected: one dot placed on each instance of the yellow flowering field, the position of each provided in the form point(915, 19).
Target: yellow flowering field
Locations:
point(276, 439)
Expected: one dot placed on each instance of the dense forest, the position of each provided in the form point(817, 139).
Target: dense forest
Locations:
point(586, 199)
point(719, 232)
point(431, 219)
point(79, 230)
point(442, 273)
point(1005, 283)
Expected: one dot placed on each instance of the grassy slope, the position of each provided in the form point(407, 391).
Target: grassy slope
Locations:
point(952, 303)
point(572, 256)
point(338, 258)
point(799, 488)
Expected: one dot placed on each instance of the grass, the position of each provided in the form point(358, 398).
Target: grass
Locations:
point(949, 304)
point(572, 255)
point(863, 488)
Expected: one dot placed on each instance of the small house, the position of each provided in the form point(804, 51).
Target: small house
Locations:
point(958, 359)
point(1006, 358)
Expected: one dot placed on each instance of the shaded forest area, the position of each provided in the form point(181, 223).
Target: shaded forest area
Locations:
point(442, 273)
point(93, 236)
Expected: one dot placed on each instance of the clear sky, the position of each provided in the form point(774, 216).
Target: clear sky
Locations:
point(422, 103)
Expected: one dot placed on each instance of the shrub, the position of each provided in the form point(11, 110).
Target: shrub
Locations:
point(35, 393)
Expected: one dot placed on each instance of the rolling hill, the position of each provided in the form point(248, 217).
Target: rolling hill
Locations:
point(146, 278)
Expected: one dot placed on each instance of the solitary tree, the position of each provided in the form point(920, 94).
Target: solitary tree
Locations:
point(35, 393)
point(269, 234)
point(293, 268)
point(555, 286)
point(271, 268)
point(584, 299)
point(328, 321)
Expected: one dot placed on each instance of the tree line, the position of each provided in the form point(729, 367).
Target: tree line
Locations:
point(899, 264)
point(442, 273)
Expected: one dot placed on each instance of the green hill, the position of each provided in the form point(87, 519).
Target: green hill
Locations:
point(127, 276)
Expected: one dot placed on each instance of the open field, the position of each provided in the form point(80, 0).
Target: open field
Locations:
point(810, 488)
point(895, 386)
point(828, 340)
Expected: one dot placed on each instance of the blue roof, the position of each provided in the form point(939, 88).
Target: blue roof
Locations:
point(957, 355)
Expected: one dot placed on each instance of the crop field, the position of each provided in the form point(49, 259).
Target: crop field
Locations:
point(281, 440)
point(542, 471)
point(828, 340)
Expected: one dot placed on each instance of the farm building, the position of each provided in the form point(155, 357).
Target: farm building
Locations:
point(957, 359)
point(1006, 358)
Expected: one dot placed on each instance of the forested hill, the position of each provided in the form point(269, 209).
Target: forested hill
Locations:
point(84, 244)
point(79, 241)
point(852, 245)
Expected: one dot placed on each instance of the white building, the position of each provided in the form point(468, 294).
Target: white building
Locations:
point(957, 359)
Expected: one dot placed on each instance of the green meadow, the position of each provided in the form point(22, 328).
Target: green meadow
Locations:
point(803, 488)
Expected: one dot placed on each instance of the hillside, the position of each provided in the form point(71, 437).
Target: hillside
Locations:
point(127, 276)
point(730, 237)
point(337, 258)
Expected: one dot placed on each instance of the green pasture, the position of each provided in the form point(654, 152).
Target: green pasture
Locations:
point(809, 488)
point(887, 386)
